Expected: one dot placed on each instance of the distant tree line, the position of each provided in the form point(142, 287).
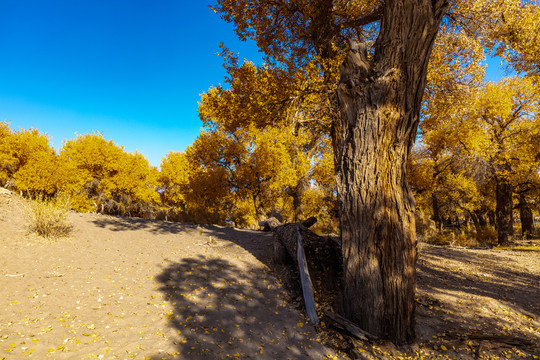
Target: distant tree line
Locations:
point(224, 177)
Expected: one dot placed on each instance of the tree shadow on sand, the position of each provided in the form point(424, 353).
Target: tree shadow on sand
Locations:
point(119, 223)
point(222, 311)
point(258, 243)
point(497, 280)
point(240, 296)
point(494, 302)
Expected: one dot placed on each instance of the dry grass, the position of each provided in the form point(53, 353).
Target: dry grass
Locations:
point(48, 217)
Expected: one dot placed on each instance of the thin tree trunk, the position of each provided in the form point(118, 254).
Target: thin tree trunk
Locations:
point(526, 215)
point(490, 214)
point(379, 102)
point(259, 213)
point(479, 219)
point(504, 212)
point(436, 213)
point(297, 194)
point(483, 218)
point(476, 221)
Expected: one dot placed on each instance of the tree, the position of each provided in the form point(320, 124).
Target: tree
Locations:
point(381, 85)
point(505, 121)
point(174, 179)
point(40, 176)
point(485, 147)
point(103, 177)
point(135, 185)
point(241, 176)
point(269, 162)
point(5, 136)
point(28, 162)
point(514, 36)
point(379, 99)
point(442, 185)
point(380, 102)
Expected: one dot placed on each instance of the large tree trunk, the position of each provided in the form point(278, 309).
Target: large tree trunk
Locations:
point(504, 212)
point(526, 216)
point(379, 102)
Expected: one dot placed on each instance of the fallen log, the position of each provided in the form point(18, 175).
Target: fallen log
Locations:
point(321, 260)
point(272, 223)
point(309, 222)
point(341, 323)
point(323, 254)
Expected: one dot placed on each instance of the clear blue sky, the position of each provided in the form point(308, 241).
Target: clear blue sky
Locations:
point(133, 70)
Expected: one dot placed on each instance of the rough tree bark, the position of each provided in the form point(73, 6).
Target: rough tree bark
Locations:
point(379, 101)
point(504, 212)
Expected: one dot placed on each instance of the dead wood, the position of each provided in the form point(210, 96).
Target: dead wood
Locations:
point(305, 279)
point(269, 224)
point(309, 222)
point(503, 339)
point(343, 324)
point(323, 258)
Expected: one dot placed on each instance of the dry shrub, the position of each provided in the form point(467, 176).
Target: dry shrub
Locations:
point(465, 239)
point(425, 230)
point(48, 217)
point(440, 238)
point(169, 214)
point(487, 236)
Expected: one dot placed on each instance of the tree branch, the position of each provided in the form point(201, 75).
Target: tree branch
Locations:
point(364, 20)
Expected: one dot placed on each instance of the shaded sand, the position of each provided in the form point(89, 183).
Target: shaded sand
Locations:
point(128, 288)
point(478, 303)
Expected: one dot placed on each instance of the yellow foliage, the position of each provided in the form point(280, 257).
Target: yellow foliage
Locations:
point(39, 175)
point(505, 127)
point(249, 93)
point(28, 163)
point(174, 178)
point(102, 176)
point(239, 159)
point(91, 157)
point(490, 135)
point(323, 169)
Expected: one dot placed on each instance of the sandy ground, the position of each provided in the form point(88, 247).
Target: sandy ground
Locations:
point(123, 288)
point(478, 303)
point(129, 288)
